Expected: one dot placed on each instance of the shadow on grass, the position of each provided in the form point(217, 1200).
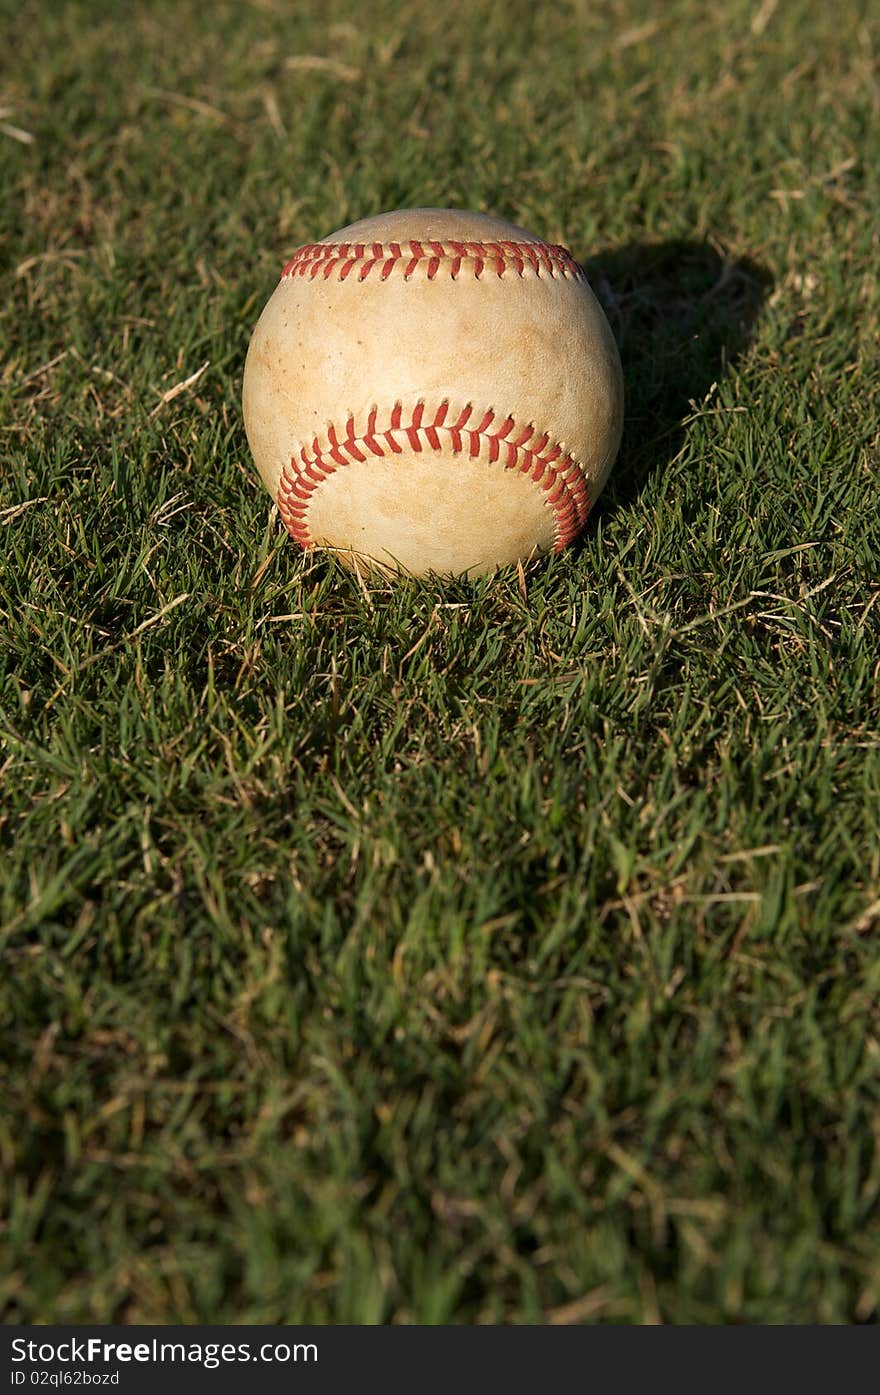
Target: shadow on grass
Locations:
point(682, 313)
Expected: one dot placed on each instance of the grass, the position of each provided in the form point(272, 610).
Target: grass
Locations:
point(475, 952)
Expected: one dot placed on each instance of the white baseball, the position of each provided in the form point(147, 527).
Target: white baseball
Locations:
point(433, 391)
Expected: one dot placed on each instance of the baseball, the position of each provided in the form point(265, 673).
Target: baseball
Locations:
point(433, 391)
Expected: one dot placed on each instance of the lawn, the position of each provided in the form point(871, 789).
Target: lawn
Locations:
point(493, 951)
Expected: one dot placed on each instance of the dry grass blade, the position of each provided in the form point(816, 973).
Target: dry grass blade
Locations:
point(179, 388)
point(16, 133)
point(317, 63)
point(15, 510)
point(180, 99)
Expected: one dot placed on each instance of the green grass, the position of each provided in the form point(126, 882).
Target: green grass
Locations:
point(440, 952)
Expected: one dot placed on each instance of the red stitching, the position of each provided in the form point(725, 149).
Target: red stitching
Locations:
point(339, 259)
point(558, 474)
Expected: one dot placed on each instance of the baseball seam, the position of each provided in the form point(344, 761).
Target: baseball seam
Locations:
point(339, 259)
point(518, 446)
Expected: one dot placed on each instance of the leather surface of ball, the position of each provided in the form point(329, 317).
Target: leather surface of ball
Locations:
point(433, 391)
